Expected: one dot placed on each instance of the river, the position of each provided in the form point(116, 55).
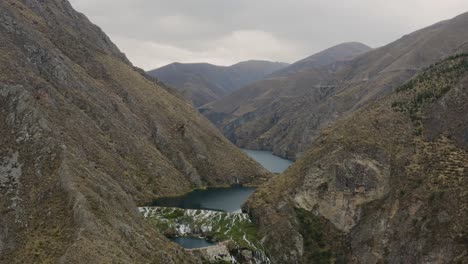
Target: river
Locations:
point(268, 160)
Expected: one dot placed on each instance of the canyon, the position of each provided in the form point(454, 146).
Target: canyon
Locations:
point(351, 155)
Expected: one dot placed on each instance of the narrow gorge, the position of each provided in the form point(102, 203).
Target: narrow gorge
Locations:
point(232, 143)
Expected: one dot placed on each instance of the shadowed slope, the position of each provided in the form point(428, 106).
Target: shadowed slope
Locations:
point(86, 138)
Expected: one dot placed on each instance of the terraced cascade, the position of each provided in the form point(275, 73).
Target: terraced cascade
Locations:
point(213, 215)
point(235, 231)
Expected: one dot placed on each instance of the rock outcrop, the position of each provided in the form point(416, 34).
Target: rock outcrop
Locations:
point(386, 184)
point(86, 137)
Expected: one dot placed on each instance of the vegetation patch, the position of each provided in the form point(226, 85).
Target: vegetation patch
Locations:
point(429, 86)
point(216, 226)
point(321, 245)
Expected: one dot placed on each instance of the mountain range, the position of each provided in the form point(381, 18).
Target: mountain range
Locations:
point(380, 139)
point(284, 114)
point(385, 184)
point(202, 83)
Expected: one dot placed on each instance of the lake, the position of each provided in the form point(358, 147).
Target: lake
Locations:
point(192, 242)
point(268, 160)
point(225, 199)
point(220, 199)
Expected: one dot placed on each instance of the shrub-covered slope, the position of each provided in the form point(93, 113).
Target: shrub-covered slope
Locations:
point(85, 137)
point(387, 184)
point(285, 114)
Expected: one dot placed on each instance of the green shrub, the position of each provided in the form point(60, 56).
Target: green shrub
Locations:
point(429, 86)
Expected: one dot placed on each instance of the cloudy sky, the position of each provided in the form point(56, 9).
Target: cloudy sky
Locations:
point(154, 33)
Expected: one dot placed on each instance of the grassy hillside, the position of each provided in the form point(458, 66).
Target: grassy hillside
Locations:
point(86, 137)
point(384, 185)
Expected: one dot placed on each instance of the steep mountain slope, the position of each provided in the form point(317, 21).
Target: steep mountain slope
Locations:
point(285, 114)
point(387, 184)
point(85, 137)
point(203, 83)
point(340, 52)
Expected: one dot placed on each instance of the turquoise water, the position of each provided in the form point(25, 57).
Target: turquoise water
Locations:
point(220, 199)
point(225, 199)
point(269, 161)
point(192, 242)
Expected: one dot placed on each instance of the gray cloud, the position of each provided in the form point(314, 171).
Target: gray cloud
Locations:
point(156, 32)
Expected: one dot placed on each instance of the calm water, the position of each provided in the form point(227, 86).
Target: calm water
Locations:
point(269, 161)
point(192, 242)
point(222, 199)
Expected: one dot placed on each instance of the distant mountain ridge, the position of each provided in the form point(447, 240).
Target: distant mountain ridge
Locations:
point(340, 52)
point(385, 184)
point(202, 83)
point(285, 114)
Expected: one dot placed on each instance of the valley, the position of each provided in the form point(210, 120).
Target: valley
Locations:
point(286, 111)
point(354, 154)
point(210, 222)
point(269, 161)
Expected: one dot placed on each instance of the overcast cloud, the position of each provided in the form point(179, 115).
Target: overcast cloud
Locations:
point(154, 33)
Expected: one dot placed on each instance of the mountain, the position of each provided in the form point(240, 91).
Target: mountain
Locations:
point(340, 52)
point(202, 83)
point(385, 184)
point(285, 114)
point(86, 138)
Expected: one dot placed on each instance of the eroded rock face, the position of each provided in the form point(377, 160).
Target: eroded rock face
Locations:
point(215, 254)
point(10, 173)
point(85, 137)
point(386, 184)
point(337, 192)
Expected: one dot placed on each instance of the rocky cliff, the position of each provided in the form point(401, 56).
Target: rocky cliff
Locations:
point(86, 137)
point(285, 114)
point(387, 184)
